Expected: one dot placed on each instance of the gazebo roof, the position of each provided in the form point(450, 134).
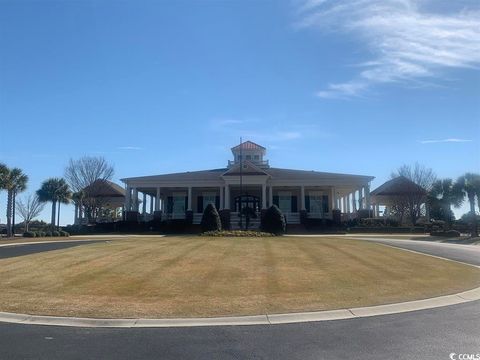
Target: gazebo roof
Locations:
point(398, 186)
point(104, 188)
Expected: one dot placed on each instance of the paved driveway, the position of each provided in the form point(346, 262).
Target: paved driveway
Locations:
point(464, 253)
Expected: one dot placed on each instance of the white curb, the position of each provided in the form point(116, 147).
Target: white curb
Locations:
point(267, 319)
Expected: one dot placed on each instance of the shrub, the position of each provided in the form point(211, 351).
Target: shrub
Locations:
point(64, 233)
point(210, 219)
point(273, 221)
point(29, 234)
point(55, 233)
point(48, 234)
point(225, 218)
point(189, 217)
point(41, 234)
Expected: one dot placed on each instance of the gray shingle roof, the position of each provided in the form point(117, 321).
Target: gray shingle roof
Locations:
point(276, 173)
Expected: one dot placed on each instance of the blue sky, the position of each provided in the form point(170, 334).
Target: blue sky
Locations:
point(161, 86)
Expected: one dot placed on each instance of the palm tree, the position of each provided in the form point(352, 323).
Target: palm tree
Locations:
point(54, 190)
point(14, 181)
point(77, 198)
point(442, 196)
point(469, 186)
point(64, 197)
point(3, 174)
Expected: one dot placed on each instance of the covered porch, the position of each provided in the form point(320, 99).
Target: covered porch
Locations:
point(175, 202)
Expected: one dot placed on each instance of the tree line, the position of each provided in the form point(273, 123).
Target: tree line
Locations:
point(79, 174)
point(441, 196)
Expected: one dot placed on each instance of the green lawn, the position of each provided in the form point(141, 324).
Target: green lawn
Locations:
point(198, 276)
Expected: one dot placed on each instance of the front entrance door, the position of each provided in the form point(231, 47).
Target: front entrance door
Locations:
point(250, 201)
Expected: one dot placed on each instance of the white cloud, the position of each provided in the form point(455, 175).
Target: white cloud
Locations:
point(129, 148)
point(408, 41)
point(450, 140)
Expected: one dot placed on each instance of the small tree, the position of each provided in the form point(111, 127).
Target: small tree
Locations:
point(28, 209)
point(210, 219)
point(273, 221)
point(82, 175)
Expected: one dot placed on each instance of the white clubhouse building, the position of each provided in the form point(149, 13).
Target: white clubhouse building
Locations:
point(248, 180)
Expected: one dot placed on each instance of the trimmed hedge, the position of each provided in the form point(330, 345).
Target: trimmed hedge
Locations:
point(449, 233)
point(237, 233)
point(210, 219)
point(29, 234)
point(387, 230)
point(273, 221)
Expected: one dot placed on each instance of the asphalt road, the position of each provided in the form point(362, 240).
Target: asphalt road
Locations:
point(426, 334)
point(27, 249)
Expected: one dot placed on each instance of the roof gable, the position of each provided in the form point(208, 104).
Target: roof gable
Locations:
point(248, 145)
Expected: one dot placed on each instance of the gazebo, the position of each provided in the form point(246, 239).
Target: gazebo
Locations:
point(103, 199)
point(395, 191)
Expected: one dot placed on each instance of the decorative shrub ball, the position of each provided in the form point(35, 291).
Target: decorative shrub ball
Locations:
point(29, 234)
point(273, 221)
point(210, 219)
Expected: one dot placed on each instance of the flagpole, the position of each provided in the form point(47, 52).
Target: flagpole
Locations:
point(241, 184)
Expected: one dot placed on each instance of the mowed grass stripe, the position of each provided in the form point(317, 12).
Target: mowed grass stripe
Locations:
point(198, 276)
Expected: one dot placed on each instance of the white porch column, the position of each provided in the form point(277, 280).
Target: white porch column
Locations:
point(361, 203)
point(270, 195)
point(354, 201)
point(189, 200)
point(348, 203)
point(302, 197)
point(332, 199)
point(264, 196)
point(157, 200)
point(221, 197)
point(135, 200)
point(128, 198)
point(367, 196)
point(144, 204)
point(151, 204)
point(227, 197)
point(344, 204)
